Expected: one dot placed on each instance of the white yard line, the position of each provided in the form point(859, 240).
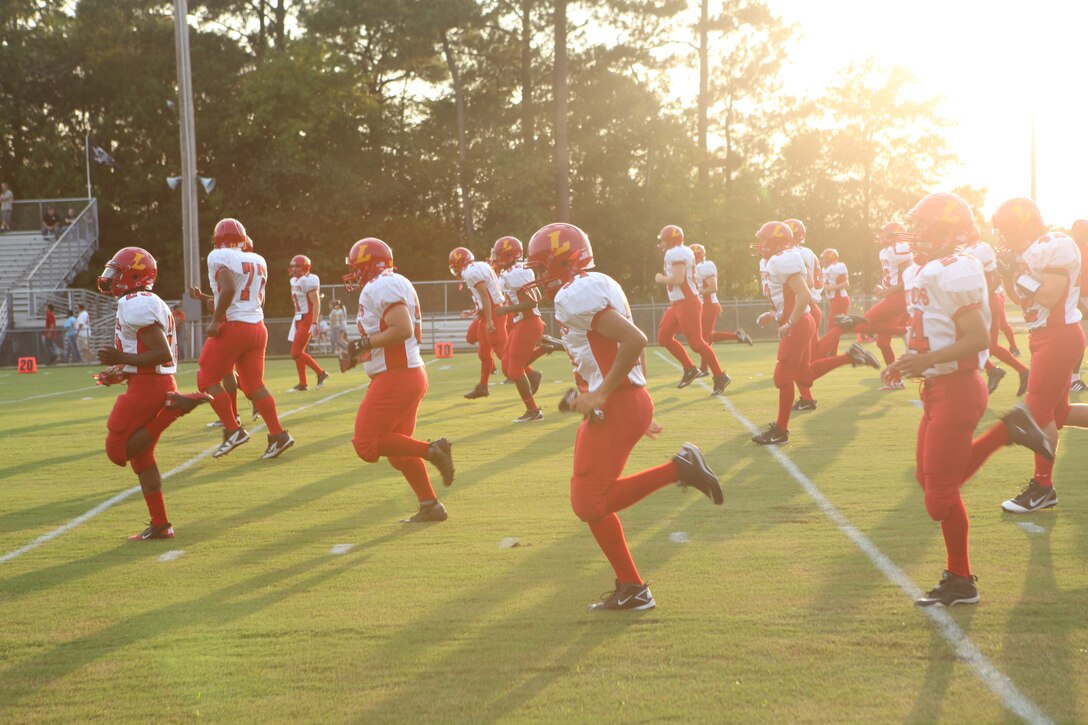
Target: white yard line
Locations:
point(997, 681)
point(48, 395)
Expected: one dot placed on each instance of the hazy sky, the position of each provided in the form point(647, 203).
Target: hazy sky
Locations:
point(992, 62)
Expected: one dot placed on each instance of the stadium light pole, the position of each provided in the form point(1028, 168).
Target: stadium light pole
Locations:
point(1033, 196)
point(190, 246)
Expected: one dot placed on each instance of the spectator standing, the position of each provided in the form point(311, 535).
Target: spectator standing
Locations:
point(83, 334)
point(71, 351)
point(51, 334)
point(338, 327)
point(50, 222)
point(7, 203)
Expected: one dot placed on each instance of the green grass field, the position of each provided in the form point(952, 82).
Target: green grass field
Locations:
point(769, 613)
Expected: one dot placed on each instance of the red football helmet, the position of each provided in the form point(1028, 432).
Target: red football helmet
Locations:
point(700, 253)
point(670, 236)
point(230, 233)
point(798, 228)
point(506, 252)
point(940, 222)
point(130, 269)
point(1079, 232)
point(829, 256)
point(557, 254)
point(300, 265)
point(771, 239)
point(459, 259)
point(367, 259)
point(889, 233)
point(1017, 223)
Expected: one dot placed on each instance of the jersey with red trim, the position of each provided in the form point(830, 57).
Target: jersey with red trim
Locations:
point(894, 258)
point(250, 277)
point(984, 253)
point(513, 280)
point(687, 289)
point(815, 278)
point(837, 273)
point(703, 271)
point(577, 306)
point(135, 312)
point(478, 272)
point(776, 273)
point(1052, 253)
point(300, 289)
point(378, 296)
point(937, 294)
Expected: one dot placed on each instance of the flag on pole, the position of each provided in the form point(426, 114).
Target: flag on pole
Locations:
point(101, 156)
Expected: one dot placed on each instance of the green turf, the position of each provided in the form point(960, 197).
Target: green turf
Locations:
point(769, 614)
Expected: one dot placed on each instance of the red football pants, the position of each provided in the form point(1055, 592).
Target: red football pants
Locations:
point(794, 357)
point(386, 421)
point(1055, 352)
point(829, 344)
point(298, 348)
point(142, 401)
point(817, 319)
point(488, 343)
point(238, 346)
point(685, 316)
point(521, 344)
point(997, 322)
point(885, 321)
point(709, 318)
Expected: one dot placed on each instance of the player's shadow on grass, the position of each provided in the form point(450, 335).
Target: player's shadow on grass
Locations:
point(942, 663)
point(35, 466)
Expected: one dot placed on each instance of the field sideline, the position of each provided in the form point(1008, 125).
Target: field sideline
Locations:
point(766, 613)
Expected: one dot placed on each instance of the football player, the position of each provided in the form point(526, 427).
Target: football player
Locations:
point(948, 341)
point(984, 253)
point(306, 296)
point(685, 311)
point(815, 281)
point(608, 353)
point(237, 338)
point(389, 321)
point(527, 327)
point(706, 278)
point(488, 328)
point(837, 287)
point(1047, 265)
point(145, 356)
point(785, 286)
point(1080, 236)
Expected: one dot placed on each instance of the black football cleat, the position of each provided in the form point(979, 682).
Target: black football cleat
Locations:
point(322, 377)
point(480, 391)
point(552, 344)
point(803, 404)
point(256, 413)
point(530, 416)
point(743, 337)
point(1024, 431)
point(429, 513)
point(1033, 498)
point(695, 473)
point(773, 436)
point(1023, 384)
point(186, 403)
point(993, 378)
point(534, 380)
point(721, 382)
point(1078, 386)
point(154, 532)
point(625, 596)
point(689, 375)
point(702, 374)
point(952, 590)
point(1015, 351)
point(231, 440)
point(300, 388)
point(847, 322)
point(860, 356)
point(277, 444)
point(440, 453)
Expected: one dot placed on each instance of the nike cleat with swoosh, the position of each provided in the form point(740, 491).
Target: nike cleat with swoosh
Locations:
point(686, 379)
point(950, 591)
point(625, 596)
point(1033, 498)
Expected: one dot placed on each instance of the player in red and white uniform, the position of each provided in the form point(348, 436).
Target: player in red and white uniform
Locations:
point(784, 282)
point(948, 342)
point(306, 299)
point(607, 351)
point(706, 279)
point(1079, 233)
point(1047, 273)
point(815, 281)
point(984, 253)
point(145, 355)
point(390, 322)
point(488, 328)
point(237, 338)
point(685, 310)
point(836, 284)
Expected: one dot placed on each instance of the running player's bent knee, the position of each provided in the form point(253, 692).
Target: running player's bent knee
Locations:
point(590, 510)
point(940, 504)
point(115, 448)
point(367, 449)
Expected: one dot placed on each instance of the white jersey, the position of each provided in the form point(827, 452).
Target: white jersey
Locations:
point(937, 294)
point(576, 306)
point(250, 277)
point(514, 279)
point(135, 312)
point(381, 293)
point(815, 278)
point(837, 273)
point(1052, 253)
point(681, 255)
point(300, 289)
point(984, 253)
point(703, 271)
point(478, 272)
point(776, 272)
point(894, 258)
